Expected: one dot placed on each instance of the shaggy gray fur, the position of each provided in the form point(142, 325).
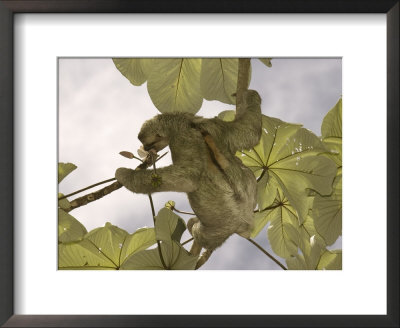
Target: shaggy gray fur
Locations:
point(221, 190)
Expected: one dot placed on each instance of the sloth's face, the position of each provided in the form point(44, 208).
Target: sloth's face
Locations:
point(152, 140)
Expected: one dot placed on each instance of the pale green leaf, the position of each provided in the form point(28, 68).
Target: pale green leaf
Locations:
point(334, 149)
point(64, 169)
point(175, 257)
point(260, 221)
point(296, 262)
point(169, 226)
point(136, 70)
point(63, 203)
point(109, 240)
point(331, 260)
point(283, 233)
point(308, 233)
point(332, 122)
point(140, 240)
point(69, 228)
point(290, 156)
point(174, 85)
point(82, 255)
point(266, 61)
point(218, 79)
point(327, 213)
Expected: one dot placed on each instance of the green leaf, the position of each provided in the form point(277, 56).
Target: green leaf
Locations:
point(283, 232)
point(331, 260)
point(69, 228)
point(109, 240)
point(332, 122)
point(169, 226)
point(296, 262)
point(63, 203)
point(175, 256)
point(334, 147)
point(218, 80)
point(260, 221)
point(332, 133)
point(136, 70)
point(83, 255)
point(140, 240)
point(290, 156)
point(266, 61)
point(64, 169)
point(309, 260)
point(308, 237)
point(174, 85)
point(327, 213)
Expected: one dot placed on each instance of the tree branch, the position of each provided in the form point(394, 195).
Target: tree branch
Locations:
point(86, 199)
point(242, 83)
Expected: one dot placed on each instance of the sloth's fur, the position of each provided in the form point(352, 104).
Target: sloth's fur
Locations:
point(221, 190)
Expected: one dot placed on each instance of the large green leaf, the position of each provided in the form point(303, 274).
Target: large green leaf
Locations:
point(310, 259)
point(140, 240)
point(109, 240)
point(283, 232)
point(332, 133)
point(289, 157)
point(169, 229)
point(69, 228)
point(169, 226)
point(332, 122)
point(327, 209)
point(174, 85)
point(218, 80)
point(331, 260)
point(104, 248)
point(136, 70)
point(175, 257)
point(327, 213)
point(64, 169)
point(83, 255)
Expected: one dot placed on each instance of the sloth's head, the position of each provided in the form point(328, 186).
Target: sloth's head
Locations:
point(156, 132)
point(153, 136)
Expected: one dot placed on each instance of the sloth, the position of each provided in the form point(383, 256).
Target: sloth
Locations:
point(221, 190)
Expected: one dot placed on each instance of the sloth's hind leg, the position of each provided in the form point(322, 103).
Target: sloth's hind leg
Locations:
point(196, 247)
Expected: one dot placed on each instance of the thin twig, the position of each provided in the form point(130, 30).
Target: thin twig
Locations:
point(266, 253)
point(158, 242)
point(181, 212)
point(187, 241)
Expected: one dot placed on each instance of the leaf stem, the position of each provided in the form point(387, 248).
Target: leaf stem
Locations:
point(181, 212)
point(158, 242)
point(266, 253)
point(187, 241)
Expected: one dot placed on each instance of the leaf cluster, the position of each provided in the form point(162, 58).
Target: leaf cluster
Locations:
point(181, 84)
point(298, 189)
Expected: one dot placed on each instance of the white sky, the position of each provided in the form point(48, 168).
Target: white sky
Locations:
point(100, 114)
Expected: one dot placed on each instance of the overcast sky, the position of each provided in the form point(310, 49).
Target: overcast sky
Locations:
point(100, 114)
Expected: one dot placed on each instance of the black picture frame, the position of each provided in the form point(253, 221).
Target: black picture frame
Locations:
point(11, 7)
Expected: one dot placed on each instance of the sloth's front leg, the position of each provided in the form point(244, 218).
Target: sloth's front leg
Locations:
point(170, 178)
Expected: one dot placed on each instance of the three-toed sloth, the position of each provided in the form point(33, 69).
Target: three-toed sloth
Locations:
point(221, 190)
